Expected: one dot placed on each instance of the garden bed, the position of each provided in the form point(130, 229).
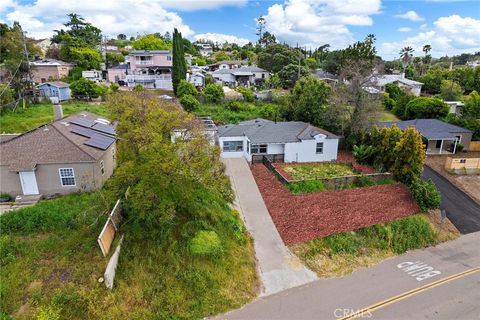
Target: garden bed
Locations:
point(304, 217)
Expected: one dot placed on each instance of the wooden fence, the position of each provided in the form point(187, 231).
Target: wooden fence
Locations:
point(474, 146)
point(463, 165)
point(107, 235)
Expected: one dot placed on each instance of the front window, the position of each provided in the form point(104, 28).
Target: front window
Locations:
point(169, 58)
point(232, 146)
point(319, 148)
point(259, 148)
point(67, 177)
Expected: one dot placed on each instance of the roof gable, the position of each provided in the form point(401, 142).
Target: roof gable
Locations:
point(429, 128)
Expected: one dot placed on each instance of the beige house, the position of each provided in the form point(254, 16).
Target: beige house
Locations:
point(150, 68)
point(71, 154)
point(49, 70)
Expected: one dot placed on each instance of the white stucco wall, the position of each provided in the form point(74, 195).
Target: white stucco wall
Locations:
point(233, 154)
point(275, 148)
point(305, 151)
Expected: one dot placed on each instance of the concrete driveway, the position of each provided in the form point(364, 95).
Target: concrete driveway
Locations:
point(462, 211)
point(278, 268)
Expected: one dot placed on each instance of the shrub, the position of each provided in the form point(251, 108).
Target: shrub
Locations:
point(138, 88)
point(189, 102)
point(233, 105)
point(362, 153)
point(186, 88)
point(114, 87)
point(394, 91)
point(214, 93)
point(205, 243)
point(426, 108)
point(388, 102)
point(425, 194)
point(459, 148)
point(247, 94)
point(85, 88)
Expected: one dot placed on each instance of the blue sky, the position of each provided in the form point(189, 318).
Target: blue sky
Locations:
point(451, 27)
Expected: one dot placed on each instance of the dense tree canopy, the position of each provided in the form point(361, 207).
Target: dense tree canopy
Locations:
point(151, 42)
point(426, 108)
point(277, 56)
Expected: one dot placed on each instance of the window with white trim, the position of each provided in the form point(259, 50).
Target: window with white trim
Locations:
point(102, 167)
point(67, 177)
point(232, 146)
point(259, 148)
point(319, 147)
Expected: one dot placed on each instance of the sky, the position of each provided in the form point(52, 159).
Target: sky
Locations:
point(449, 26)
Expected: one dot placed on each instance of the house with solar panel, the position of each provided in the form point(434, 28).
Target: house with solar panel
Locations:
point(70, 154)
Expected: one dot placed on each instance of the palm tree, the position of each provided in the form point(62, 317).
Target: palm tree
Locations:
point(426, 60)
point(406, 55)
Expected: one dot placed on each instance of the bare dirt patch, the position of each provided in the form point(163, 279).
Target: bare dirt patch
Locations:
point(299, 218)
point(470, 184)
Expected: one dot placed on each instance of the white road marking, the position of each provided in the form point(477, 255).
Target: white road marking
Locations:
point(418, 269)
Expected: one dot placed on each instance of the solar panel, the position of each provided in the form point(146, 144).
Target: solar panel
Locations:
point(83, 131)
point(83, 122)
point(103, 128)
point(100, 141)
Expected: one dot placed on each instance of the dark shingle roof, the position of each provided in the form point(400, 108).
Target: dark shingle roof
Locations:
point(429, 128)
point(50, 143)
point(266, 131)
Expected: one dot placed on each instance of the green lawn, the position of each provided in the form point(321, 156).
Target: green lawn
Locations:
point(388, 116)
point(33, 116)
point(50, 264)
point(247, 111)
point(318, 171)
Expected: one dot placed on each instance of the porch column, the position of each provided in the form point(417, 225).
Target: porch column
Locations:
point(441, 146)
point(455, 146)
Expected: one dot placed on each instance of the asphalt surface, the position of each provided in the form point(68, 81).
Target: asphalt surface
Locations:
point(334, 298)
point(462, 211)
point(279, 269)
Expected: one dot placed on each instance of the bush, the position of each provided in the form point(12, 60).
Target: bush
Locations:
point(425, 194)
point(426, 108)
point(362, 153)
point(85, 88)
point(214, 93)
point(189, 102)
point(388, 102)
point(233, 105)
point(138, 88)
point(186, 88)
point(205, 243)
point(459, 148)
point(114, 87)
point(247, 94)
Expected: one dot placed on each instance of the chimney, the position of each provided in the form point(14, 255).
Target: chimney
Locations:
point(57, 112)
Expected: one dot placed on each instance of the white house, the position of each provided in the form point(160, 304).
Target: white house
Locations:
point(379, 82)
point(455, 106)
point(93, 75)
point(292, 141)
point(197, 79)
point(246, 75)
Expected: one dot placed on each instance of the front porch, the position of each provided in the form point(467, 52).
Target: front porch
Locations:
point(442, 146)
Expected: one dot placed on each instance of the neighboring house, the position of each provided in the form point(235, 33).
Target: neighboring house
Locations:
point(71, 154)
point(226, 64)
point(205, 49)
point(246, 75)
point(326, 76)
point(57, 91)
point(197, 79)
point(379, 82)
point(440, 137)
point(49, 70)
point(473, 64)
point(206, 126)
point(455, 106)
point(117, 73)
point(293, 141)
point(92, 75)
point(149, 68)
point(188, 59)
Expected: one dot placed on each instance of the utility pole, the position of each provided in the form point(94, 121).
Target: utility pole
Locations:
point(29, 72)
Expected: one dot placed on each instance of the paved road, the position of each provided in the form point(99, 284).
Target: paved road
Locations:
point(328, 298)
point(461, 209)
point(278, 268)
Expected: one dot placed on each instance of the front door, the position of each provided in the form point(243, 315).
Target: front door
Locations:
point(29, 182)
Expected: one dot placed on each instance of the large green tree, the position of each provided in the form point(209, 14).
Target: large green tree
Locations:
point(426, 108)
point(276, 56)
point(151, 42)
point(409, 156)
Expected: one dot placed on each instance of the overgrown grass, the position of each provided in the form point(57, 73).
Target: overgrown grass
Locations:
point(340, 254)
point(50, 265)
point(221, 114)
point(35, 115)
point(388, 116)
point(308, 186)
point(318, 170)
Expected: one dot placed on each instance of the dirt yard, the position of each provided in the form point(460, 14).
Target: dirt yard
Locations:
point(299, 218)
point(470, 184)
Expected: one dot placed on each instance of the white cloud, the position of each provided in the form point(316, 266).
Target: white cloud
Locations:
point(221, 38)
point(449, 36)
point(410, 15)
point(190, 5)
point(404, 29)
point(316, 22)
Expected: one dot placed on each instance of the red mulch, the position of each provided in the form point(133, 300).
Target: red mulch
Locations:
point(304, 217)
